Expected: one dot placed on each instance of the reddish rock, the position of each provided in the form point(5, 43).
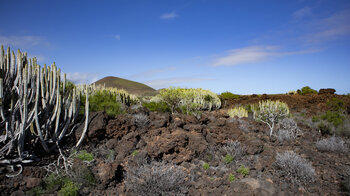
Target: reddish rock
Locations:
point(32, 182)
point(330, 91)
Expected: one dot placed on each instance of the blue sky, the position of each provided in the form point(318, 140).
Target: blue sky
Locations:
point(244, 47)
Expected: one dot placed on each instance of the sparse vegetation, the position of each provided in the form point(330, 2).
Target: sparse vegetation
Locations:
point(231, 177)
point(234, 149)
point(294, 167)
point(243, 170)
point(332, 144)
point(206, 166)
point(141, 120)
point(84, 155)
point(228, 159)
point(135, 153)
point(157, 179)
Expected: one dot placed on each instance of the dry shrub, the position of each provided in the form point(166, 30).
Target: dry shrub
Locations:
point(295, 168)
point(157, 178)
point(332, 144)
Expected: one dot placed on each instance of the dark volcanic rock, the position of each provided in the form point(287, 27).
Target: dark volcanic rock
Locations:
point(326, 91)
point(96, 127)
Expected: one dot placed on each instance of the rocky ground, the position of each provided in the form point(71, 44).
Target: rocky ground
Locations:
point(190, 154)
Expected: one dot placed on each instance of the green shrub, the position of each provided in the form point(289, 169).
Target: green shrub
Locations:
point(336, 104)
point(325, 128)
point(206, 166)
point(36, 191)
point(243, 170)
point(52, 181)
point(231, 177)
point(135, 153)
point(157, 106)
point(103, 101)
point(68, 189)
point(336, 118)
point(228, 95)
point(307, 90)
point(84, 156)
point(228, 159)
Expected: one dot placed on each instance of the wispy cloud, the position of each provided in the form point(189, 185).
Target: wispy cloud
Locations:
point(333, 27)
point(82, 78)
point(254, 54)
point(23, 41)
point(169, 15)
point(117, 37)
point(302, 13)
point(152, 72)
point(175, 81)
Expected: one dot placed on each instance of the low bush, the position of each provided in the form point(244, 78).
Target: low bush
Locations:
point(157, 106)
point(234, 149)
point(336, 104)
point(287, 129)
point(243, 170)
point(239, 112)
point(228, 159)
point(103, 101)
point(84, 155)
point(231, 177)
point(68, 189)
point(228, 95)
point(206, 166)
point(307, 90)
point(157, 179)
point(141, 120)
point(294, 167)
point(332, 144)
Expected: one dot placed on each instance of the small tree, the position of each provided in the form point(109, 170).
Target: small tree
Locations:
point(270, 112)
point(172, 97)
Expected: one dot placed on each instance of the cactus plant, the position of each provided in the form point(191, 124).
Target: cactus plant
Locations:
point(32, 103)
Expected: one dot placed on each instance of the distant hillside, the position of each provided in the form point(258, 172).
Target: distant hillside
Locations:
point(128, 85)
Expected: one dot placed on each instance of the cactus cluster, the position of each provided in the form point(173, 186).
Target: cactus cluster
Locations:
point(34, 106)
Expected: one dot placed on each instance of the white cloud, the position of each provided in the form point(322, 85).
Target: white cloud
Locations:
point(23, 41)
point(302, 13)
point(333, 27)
point(164, 83)
point(152, 72)
point(117, 37)
point(82, 78)
point(254, 54)
point(169, 15)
